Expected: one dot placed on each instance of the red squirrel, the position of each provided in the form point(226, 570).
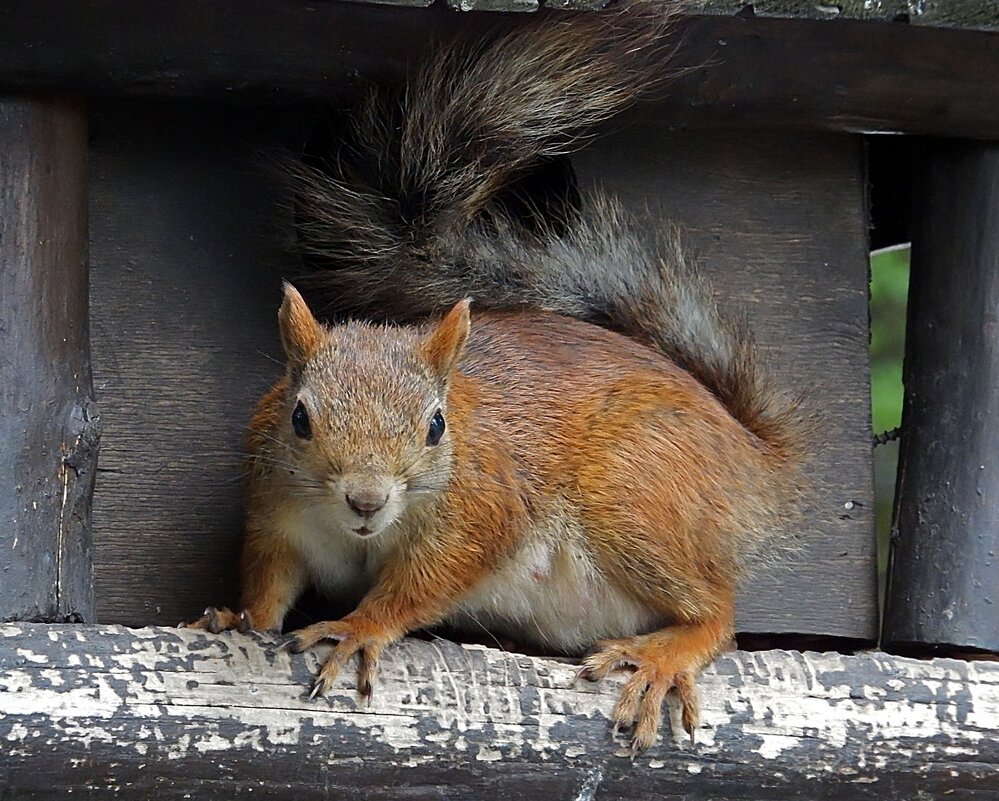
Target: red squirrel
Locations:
point(584, 459)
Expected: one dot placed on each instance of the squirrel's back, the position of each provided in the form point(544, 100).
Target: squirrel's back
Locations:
point(573, 398)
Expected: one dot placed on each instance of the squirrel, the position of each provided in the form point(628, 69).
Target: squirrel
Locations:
point(587, 463)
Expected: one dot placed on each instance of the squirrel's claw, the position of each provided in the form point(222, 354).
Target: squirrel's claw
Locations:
point(319, 688)
point(600, 661)
point(340, 656)
point(329, 671)
point(686, 693)
point(366, 672)
point(292, 644)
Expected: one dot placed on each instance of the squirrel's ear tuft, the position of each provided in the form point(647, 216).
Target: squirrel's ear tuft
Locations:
point(301, 333)
point(442, 347)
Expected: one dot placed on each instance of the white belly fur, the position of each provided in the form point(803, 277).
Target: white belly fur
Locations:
point(552, 595)
point(549, 594)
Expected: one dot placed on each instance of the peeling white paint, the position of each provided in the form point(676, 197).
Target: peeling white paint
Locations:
point(212, 742)
point(179, 748)
point(488, 755)
point(28, 656)
point(773, 745)
point(17, 732)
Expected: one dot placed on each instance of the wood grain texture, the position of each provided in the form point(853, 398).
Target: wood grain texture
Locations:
point(48, 424)
point(881, 10)
point(971, 14)
point(742, 72)
point(186, 264)
point(944, 573)
point(185, 280)
point(173, 714)
point(494, 5)
point(983, 14)
point(779, 225)
point(967, 14)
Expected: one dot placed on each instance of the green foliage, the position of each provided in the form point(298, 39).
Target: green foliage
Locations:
point(889, 289)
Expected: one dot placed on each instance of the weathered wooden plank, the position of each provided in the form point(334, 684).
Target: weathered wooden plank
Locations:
point(172, 714)
point(185, 282)
point(48, 423)
point(944, 573)
point(847, 76)
point(983, 14)
point(884, 10)
point(972, 14)
point(743, 72)
point(494, 5)
point(748, 208)
point(187, 248)
point(968, 14)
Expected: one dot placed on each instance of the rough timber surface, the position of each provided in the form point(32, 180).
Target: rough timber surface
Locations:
point(793, 70)
point(49, 429)
point(185, 287)
point(943, 585)
point(186, 268)
point(171, 714)
point(983, 14)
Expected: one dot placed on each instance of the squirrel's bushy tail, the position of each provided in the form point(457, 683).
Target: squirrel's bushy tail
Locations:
point(409, 213)
point(419, 166)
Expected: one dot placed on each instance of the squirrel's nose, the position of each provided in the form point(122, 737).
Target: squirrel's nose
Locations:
point(366, 503)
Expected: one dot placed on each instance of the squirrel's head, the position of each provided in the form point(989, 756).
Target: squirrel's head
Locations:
point(366, 413)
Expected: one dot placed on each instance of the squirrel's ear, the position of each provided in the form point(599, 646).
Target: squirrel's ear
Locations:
point(442, 347)
point(301, 334)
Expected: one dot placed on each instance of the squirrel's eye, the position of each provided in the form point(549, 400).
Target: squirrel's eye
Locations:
point(436, 430)
point(300, 422)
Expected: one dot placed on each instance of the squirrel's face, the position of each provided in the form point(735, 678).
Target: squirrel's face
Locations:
point(366, 415)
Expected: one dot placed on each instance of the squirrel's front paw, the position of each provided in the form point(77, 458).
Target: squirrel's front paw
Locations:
point(218, 620)
point(353, 637)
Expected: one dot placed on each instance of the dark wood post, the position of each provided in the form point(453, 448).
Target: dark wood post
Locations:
point(944, 571)
point(48, 424)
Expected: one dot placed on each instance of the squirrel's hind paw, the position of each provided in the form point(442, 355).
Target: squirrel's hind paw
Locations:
point(654, 675)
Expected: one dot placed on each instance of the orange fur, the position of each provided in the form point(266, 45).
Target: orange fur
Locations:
point(301, 335)
point(443, 346)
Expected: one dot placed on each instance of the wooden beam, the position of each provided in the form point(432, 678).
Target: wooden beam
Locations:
point(744, 71)
point(172, 714)
point(944, 572)
point(982, 14)
point(48, 423)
